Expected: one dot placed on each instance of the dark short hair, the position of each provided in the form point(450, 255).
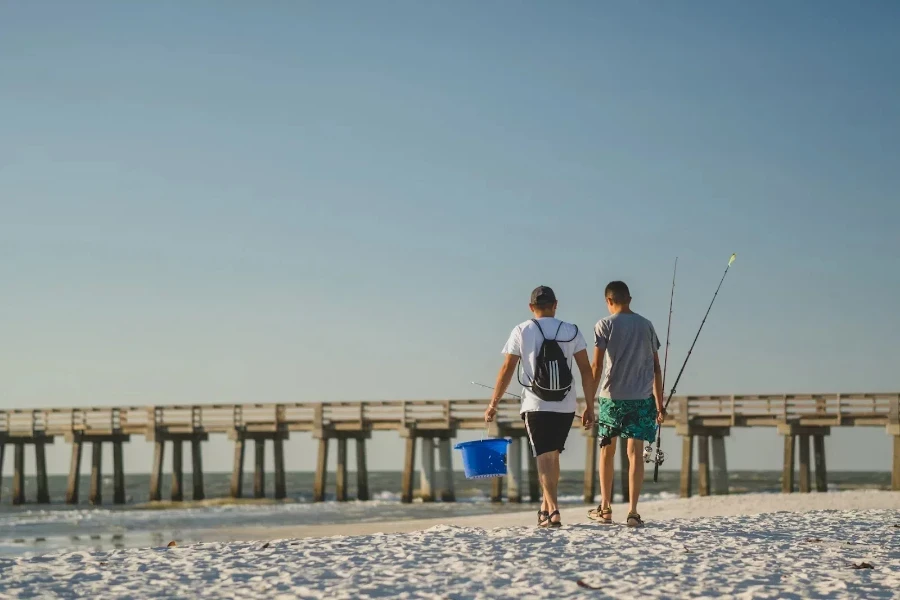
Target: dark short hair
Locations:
point(618, 292)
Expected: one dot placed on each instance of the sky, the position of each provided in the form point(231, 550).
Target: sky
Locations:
point(297, 201)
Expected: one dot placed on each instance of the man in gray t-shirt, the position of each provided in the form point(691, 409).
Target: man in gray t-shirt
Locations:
point(629, 342)
point(631, 394)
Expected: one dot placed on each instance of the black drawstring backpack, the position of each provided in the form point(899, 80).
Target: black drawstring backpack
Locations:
point(552, 376)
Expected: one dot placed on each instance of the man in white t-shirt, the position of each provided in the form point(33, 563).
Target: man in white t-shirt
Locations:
point(546, 347)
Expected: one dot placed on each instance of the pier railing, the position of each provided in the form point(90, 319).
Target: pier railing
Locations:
point(864, 409)
point(811, 409)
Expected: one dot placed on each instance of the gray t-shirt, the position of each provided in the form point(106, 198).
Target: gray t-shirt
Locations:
point(629, 341)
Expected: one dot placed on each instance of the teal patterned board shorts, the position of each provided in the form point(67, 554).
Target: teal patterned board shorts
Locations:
point(627, 419)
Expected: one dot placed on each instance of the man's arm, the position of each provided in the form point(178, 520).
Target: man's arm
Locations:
point(657, 384)
point(598, 365)
point(588, 385)
point(504, 376)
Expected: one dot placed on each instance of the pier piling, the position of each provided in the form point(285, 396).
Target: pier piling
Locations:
point(118, 474)
point(159, 454)
point(787, 475)
point(19, 444)
point(703, 465)
point(426, 474)
point(409, 465)
point(687, 465)
point(96, 493)
point(362, 471)
point(197, 469)
point(19, 474)
point(799, 435)
point(819, 459)
point(74, 471)
point(178, 439)
point(177, 492)
point(719, 465)
point(321, 471)
point(237, 470)
point(805, 473)
point(341, 474)
point(497, 489)
point(446, 491)
point(514, 472)
point(43, 490)
point(280, 483)
point(259, 472)
point(895, 471)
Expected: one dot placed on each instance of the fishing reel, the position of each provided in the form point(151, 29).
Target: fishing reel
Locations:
point(650, 457)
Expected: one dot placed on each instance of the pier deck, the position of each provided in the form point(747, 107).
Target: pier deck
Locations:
point(798, 417)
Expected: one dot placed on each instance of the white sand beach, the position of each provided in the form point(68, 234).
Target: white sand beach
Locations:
point(748, 546)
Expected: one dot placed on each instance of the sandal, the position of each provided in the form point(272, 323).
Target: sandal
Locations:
point(600, 514)
point(634, 520)
point(550, 523)
point(543, 515)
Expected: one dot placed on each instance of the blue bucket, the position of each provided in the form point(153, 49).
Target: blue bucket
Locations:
point(484, 458)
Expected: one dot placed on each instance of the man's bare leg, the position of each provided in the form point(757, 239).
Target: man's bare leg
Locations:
point(636, 472)
point(548, 472)
point(607, 463)
point(544, 502)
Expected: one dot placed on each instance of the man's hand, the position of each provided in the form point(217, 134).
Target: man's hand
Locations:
point(588, 418)
point(660, 415)
point(588, 386)
point(490, 413)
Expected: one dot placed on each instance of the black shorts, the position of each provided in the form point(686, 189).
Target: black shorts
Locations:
point(547, 431)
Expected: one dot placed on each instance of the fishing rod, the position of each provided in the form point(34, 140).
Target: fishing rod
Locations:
point(491, 388)
point(660, 457)
point(648, 450)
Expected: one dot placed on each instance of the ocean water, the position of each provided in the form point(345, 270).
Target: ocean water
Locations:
point(32, 528)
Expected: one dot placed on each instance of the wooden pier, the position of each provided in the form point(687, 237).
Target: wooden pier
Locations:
point(704, 422)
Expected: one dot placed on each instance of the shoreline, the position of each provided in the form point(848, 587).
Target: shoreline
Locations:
point(650, 510)
point(46, 532)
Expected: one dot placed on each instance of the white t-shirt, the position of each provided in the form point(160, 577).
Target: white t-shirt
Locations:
point(525, 341)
